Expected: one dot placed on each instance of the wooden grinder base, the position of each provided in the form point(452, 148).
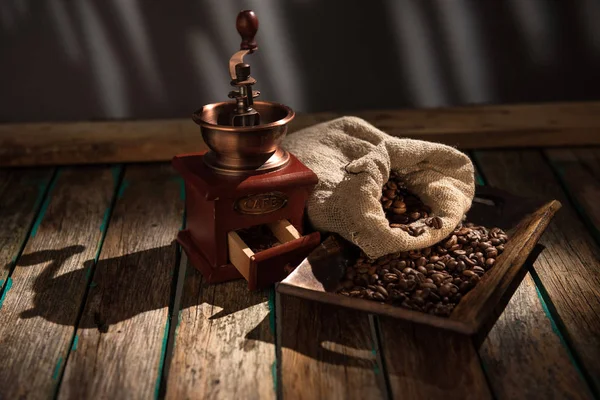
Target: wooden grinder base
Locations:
point(213, 210)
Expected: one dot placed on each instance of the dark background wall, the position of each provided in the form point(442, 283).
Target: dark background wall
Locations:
point(132, 59)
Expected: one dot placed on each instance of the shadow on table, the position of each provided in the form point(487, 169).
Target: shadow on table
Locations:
point(120, 288)
point(126, 286)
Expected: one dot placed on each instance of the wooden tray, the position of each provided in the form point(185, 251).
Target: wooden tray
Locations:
point(318, 276)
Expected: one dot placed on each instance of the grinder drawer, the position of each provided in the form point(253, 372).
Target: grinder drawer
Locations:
point(263, 268)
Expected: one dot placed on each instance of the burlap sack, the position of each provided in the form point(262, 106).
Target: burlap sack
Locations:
point(353, 159)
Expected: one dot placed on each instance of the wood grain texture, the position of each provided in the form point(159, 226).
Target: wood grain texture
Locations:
point(481, 301)
point(225, 344)
point(49, 282)
point(523, 354)
point(325, 352)
point(122, 332)
point(21, 192)
point(569, 266)
point(427, 363)
point(579, 171)
point(551, 124)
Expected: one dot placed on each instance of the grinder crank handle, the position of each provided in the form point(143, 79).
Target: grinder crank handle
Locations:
point(247, 26)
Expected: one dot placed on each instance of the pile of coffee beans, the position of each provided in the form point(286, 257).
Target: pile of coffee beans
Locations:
point(258, 238)
point(403, 207)
point(431, 280)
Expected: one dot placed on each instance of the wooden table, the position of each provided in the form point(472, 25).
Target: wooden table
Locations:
point(97, 300)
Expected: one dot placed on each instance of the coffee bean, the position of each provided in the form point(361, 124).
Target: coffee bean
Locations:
point(478, 270)
point(419, 231)
point(430, 280)
point(415, 215)
point(390, 194)
point(378, 296)
point(464, 287)
point(382, 290)
point(429, 285)
point(451, 242)
point(437, 223)
point(468, 273)
point(451, 265)
point(484, 245)
point(445, 290)
point(392, 185)
point(470, 263)
point(399, 210)
point(491, 252)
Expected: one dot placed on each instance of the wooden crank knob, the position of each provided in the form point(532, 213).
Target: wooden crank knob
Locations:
point(247, 26)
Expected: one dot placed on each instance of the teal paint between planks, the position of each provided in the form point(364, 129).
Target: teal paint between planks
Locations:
point(45, 204)
point(116, 175)
point(118, 187)
point(181, 183)
point(541, 291)
point(272, 327)
point(542, 298)
point(75, 342)
point(163, 352)
point(6, 289)
point(124, 185)
point(559, 171)
point(56, 372)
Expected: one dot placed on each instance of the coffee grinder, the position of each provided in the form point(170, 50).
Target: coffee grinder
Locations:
point(245, 179)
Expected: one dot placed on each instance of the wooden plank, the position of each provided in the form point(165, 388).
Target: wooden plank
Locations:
point(122, 333)
point(579, 171)
point(225, 345)
point(569, 266)
point(21, 193)
point(49, 283)
point(423, 362)
point(326, 352)
point(551, 124)
point(523, 354)
point(482, 300)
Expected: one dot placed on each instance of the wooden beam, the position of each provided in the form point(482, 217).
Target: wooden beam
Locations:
point(54, 143)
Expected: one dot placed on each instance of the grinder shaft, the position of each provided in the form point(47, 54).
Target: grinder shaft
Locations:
point(244, 114)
